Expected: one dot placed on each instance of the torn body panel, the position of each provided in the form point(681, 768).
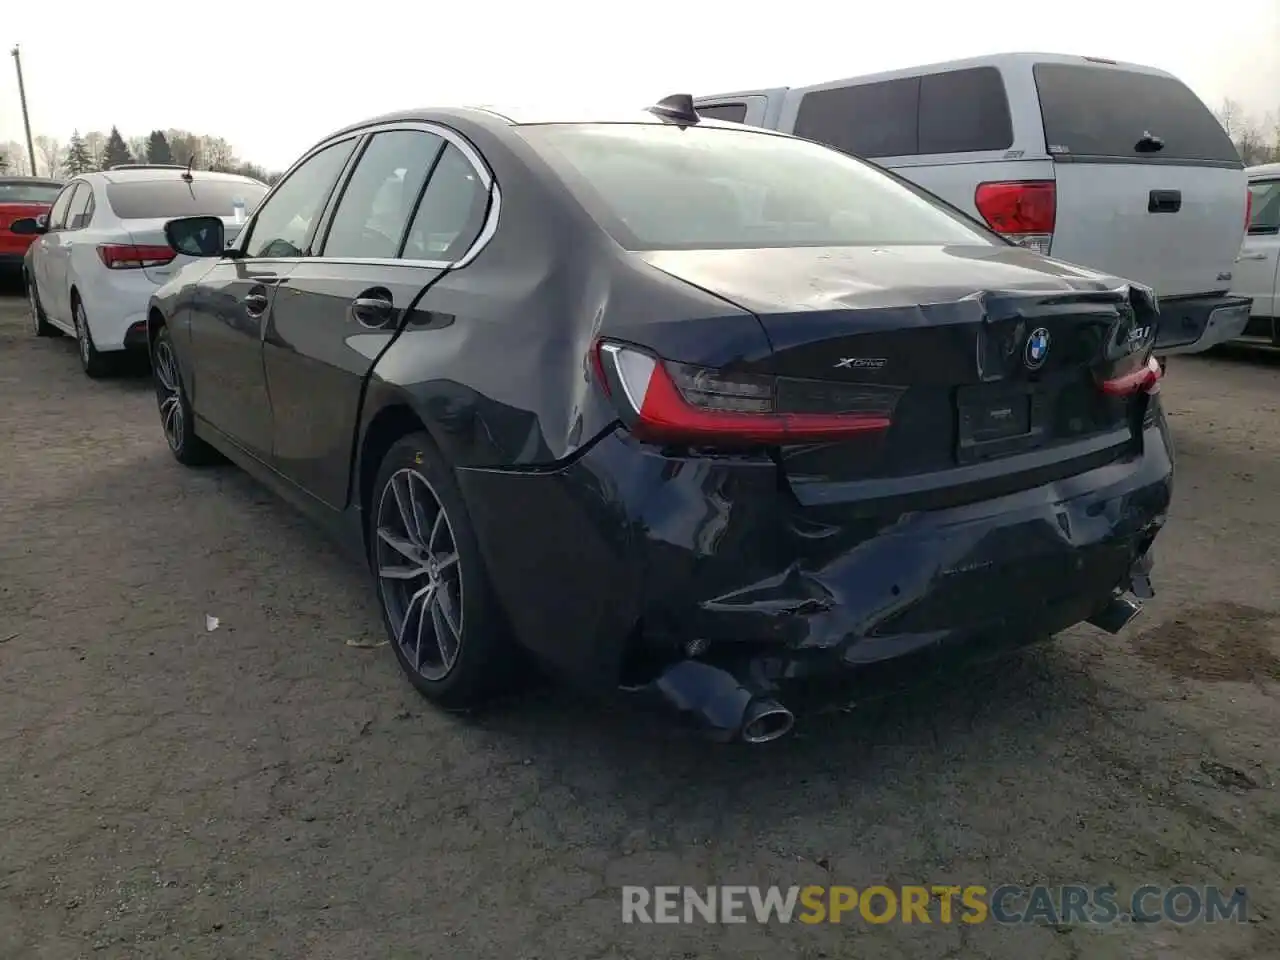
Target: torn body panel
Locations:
point(711, 555)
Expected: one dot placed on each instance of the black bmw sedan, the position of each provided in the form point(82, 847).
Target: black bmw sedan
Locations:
point(705, 414)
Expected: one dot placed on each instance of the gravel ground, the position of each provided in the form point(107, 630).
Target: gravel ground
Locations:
point(274, 789)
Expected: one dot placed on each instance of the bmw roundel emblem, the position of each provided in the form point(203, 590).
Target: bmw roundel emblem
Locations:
point(1037, 348)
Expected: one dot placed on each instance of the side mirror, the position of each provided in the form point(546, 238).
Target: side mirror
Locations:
point(29, 226)
point(197, 236)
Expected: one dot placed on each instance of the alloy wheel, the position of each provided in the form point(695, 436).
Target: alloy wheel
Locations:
point(82, 333)
point(419, 575)
point(169, 395)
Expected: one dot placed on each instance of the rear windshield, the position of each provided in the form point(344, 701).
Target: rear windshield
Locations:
point(1094, 111)
point(15, 191)
point(660, 187)
point(148, 199)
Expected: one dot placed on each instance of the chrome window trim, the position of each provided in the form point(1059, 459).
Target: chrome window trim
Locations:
point(487, 230)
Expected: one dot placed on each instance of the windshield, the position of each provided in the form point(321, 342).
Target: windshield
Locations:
point(150, 199)
point(660, 187)
point(16, 191)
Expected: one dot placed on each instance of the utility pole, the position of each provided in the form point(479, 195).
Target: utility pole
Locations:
point(26, 121)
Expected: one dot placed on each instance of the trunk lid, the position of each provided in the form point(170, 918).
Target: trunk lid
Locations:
point(1151, 188)
point(994, 349)
point(150, 232)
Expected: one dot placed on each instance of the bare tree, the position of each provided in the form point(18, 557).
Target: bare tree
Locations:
point(1249, 143)
point(216, 154)
point(48, 150)
point(16, 154)
point(184, 146)
point(138, 147)
point(1229, 115)
point(95, 143)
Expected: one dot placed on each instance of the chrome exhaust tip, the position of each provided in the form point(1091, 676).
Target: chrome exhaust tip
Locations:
point(766, 720)
point(1116, 615)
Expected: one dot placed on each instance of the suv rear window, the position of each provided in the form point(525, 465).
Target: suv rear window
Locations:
point(733, 112)
point(16, 191)
point(1095, 111)
point(955, 111)
point(152, 199)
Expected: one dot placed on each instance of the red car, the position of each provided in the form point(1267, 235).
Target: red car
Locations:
point(22, 197)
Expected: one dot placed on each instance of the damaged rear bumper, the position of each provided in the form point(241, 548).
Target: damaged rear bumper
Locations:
point(702, 587)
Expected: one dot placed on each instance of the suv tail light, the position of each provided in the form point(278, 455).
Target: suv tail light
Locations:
point(132, 256)
point(1248, 209)
point(664, 402)
point(1023, 211)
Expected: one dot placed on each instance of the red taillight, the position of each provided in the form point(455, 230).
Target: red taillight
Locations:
point(132, 256)
point(1023, 211)
point(1248, 209)
point(664, 402)
point(1143, 378)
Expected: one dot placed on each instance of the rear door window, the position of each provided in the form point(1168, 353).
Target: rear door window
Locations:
point(378, 199)
point(866, 119)
point(1099, 111)
point(732, 112)
point(452, 211)
point(152, 199)
point(58, 214)
point(81, 209)
point(964, 111)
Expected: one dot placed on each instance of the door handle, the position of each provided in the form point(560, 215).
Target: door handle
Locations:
point(1251, 256)
point(255, 304)
point(372, 311)
point(256, 301)
point(1164, 201)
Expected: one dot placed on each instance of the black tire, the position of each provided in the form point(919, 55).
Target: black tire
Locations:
point(171, 398)
point(40, 324)
point(95, 365)
point(486, 660)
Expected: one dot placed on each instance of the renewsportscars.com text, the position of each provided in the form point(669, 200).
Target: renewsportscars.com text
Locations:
point(935, 904)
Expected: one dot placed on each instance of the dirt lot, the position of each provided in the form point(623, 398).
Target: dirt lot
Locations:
point(269, 790)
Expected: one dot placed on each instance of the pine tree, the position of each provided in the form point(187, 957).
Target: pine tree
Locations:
point(117, 150)
point(77, 159)
point(158, 148)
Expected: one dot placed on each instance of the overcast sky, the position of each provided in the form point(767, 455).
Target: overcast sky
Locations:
point(276, 75)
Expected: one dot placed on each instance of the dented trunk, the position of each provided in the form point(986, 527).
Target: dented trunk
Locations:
point(1012, 495)
point(994, 356)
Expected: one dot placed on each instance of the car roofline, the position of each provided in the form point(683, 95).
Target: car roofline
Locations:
point(497, 117)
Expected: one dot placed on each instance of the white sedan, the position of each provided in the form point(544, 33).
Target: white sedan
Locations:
point(101, 251)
